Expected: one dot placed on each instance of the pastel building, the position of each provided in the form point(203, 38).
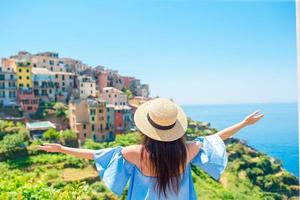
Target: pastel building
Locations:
point(127, 81)
point(102, 80)
point(52, 62)
point(8, 65)
point(86, 87)
point(110, 121)
point(64, 85)
point(114, 96)
point(74, 66)
point(123, 119)
point(48, 60)
point(23, 71)
point(88, 119)
point(8, 88)
point(44, 84)
point(110, 78)
point(27, 100)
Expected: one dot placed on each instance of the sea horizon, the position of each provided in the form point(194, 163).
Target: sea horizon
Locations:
point(242, 103)
point(279, 127)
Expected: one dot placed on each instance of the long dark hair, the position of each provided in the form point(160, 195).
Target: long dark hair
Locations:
point(167, 161)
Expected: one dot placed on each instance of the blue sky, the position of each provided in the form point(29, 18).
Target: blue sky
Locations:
point(195, 52)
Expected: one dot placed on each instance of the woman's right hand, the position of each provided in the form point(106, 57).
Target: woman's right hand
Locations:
point(53, 147)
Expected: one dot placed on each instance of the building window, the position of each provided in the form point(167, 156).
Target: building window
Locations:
point(84, 134)
point(27, 77)
point(100, 110)
point(101, 127)
point(84, 126)
point(115, 95)
point(20, 77)
point(92, 111)
point(20, 70)
point(91, 85)
point(27, 84)
point(93, 127)
point(93, 118)
point(27, 70)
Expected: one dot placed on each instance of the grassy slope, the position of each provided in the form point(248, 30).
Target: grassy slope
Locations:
point(57, 176)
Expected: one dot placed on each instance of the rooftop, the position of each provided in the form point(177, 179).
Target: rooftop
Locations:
point(112, 89)
point(64, 73)
point(122, 108)
point(41, 125)
point(37, 70)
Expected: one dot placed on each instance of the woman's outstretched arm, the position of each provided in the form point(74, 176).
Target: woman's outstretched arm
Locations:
point(80, 153)
point(249, 120)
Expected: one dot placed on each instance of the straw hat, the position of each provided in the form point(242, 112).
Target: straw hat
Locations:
point(161, 119)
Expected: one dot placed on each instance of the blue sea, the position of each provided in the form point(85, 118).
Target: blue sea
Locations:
point(276, 134)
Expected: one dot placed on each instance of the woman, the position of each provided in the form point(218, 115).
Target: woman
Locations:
point(160, 167)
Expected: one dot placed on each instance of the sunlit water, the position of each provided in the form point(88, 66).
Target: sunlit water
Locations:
point(276, 134)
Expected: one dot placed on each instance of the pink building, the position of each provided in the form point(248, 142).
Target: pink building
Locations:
point(114, 96)
point(27, 101)
point(127, 81)
point(123, 119)
point(103, 80)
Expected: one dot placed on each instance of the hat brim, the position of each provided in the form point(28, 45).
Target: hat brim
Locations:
point(142, 123)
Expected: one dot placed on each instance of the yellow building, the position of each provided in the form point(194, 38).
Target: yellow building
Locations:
point(23, 71)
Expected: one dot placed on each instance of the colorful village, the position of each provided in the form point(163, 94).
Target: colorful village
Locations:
point(100, 102)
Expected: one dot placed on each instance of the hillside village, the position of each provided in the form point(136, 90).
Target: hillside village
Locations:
point(99, 102)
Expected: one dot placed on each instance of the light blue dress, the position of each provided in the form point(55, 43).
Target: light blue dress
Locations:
point(115, 171)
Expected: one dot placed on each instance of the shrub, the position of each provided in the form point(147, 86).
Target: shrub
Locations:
point(69, 138)
point(13, 144)
point(51, 135)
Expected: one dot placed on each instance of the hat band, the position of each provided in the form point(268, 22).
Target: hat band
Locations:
point(155, 125)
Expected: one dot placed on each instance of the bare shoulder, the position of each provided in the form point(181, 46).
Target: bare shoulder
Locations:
point(193, 148)
point(132, 153)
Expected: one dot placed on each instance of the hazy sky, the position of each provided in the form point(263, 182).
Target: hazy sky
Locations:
point(192, 51)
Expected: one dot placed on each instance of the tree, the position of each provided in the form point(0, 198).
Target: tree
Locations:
point(51, 135)
point(60, 110)
point(13, 143)
point(128, 93)
point(69, 138)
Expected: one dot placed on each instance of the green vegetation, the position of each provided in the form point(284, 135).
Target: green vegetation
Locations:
point(128, 93)
point(50, 108)
point(40, 175)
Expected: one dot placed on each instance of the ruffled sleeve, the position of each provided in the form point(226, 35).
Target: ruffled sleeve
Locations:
point(212, 156)
point(113, 169)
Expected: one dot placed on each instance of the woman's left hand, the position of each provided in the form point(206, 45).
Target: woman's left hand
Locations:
point(252, 118)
